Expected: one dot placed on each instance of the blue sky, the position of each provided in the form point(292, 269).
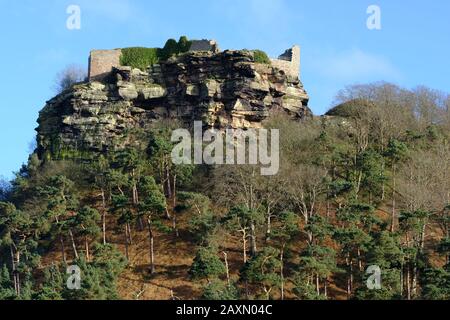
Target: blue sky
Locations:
point(411, 49)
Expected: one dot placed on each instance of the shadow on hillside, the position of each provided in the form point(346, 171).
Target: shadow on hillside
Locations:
point(166, 272)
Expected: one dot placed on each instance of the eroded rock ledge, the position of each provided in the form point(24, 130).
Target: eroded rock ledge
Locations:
point(226, 89)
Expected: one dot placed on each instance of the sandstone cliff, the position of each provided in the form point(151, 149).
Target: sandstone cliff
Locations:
point(224, 89)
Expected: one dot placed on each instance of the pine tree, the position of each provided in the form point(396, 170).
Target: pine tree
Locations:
point(386, 253)
point(152, 205)
point(436, 284)
point(62, 201)
point(263, 271)
point(413, 226)
point(99, 171)
point(86, 225)
point(16, 235)
point(285, 230)
point(203, 221)
point(395, 152)
point(353, 236)
point(99, 278)
point(242, 220)
point(7, 291)
point(220, 290)
point(317, 263)
point(121, 208)
point(207, 264)
point(52, 286)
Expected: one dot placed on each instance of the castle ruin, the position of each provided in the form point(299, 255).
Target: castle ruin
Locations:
point(204, 45)
point(289, 62)
point(101, 62)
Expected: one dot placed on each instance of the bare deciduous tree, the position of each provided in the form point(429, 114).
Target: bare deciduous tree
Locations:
point(5, 187)
point(69, 76)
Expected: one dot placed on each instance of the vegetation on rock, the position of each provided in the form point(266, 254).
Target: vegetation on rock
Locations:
point(69, 76)
point(141, 58)
point(261, 57)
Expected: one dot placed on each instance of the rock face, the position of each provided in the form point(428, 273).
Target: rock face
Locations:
point(224, 90)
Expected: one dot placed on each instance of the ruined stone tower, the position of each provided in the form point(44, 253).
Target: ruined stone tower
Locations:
point(289, 62)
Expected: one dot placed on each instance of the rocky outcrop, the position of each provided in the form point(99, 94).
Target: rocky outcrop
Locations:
point(226, 89)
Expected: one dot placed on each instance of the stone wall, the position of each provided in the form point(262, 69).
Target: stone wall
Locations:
point(289, 62)
point(204, 45)
point(101, 63)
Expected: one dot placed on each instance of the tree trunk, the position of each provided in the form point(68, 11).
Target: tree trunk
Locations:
point(74, 246)
point(129, 234)
point(310, 237)
point(393, 199)
point(174, 190)
point(350, 275)
point(134, 188)
point(17, 274)
point(244, 244)
point(267, 291)
point(104, 216)
point(86, 244)
point(408, 283)
point(167, 178)
point(401, 279)
point(135, 194)
point(151, 242)
point(414, 280)
point(14, 271)
point(253, 238)
point(317, 285)
point(360, 261)
point(281, 271)
point(167, 213)
point(383, 166)
point(63, 250)
point(126, 242)
point(328, 201)
point(174, 224)
point(140, 224)
point(422, 237)
point(269, 226)
point(226, 267)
